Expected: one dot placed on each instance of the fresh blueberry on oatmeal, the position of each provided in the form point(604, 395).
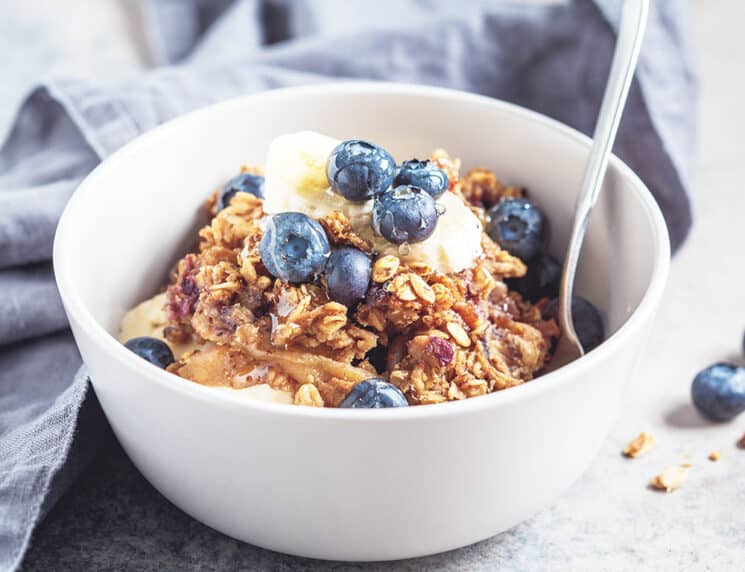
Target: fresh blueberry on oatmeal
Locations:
point(243, 183)
point(518, 226)
point(359, 170)
point(294, 247)
point(719, 391)
point(541, 280)
point(348, 275)
point(151, 349)
point(404, 214)
point(326, 284)
point(423, 174)
point(587, 321)
point(374, 393)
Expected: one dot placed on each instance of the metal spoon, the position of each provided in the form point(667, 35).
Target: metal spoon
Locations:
point(625, 56)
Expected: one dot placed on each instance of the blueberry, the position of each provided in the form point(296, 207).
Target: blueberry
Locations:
point(423, 174)
point(719, 391)
point(587, 321)
point(294, 247)
point(404, 214)
point(359, 170)
point(541, 281)
point(153, 350)
point(374, 393)
point(518, 226)
point(243, 183)
point(348, 275)
point(378, 357)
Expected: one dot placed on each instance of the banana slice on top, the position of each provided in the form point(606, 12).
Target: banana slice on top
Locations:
point(295, 175)
point(296, 181)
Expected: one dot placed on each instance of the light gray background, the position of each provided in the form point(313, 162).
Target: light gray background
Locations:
point(609, 520)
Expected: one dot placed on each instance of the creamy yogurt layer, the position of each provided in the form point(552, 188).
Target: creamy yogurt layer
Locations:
point(149, 318)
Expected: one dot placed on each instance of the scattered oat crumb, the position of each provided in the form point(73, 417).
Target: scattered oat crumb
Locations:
point(715, 456)
point(640, 445)
point(670, 478)
point(741, 442)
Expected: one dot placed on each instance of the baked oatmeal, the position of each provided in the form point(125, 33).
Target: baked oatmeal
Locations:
point(335, 277)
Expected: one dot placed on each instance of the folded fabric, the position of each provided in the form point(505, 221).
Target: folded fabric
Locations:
point(23, 317)
point(553, 59)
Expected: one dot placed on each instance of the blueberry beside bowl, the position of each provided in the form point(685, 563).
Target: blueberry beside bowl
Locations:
point(718, 391)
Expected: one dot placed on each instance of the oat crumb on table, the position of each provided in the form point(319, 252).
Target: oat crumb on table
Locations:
point(714, 456)
point(640, 445)
point(670, 478)
point(741, 442)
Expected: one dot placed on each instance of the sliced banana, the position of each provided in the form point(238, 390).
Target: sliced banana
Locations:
point(295, 180)
point(295, 175)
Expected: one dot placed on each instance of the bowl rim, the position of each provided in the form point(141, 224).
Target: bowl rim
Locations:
point(109, 345)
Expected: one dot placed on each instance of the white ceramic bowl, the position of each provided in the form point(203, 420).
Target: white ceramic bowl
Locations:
point(352, 484)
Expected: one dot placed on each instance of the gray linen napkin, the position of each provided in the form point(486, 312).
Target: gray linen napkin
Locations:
point(550, 58)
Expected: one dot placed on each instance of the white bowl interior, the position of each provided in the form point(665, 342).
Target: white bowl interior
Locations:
point(138, 212)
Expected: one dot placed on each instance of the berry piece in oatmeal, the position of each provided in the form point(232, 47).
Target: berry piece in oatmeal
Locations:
point(520, 227)
point(243, 183)
point(183, 295)
point(587, 321)
point(441, 351)
point(541, 280)
point(153, 350)
point(719, 391)
point(294, 247)
point(404, 214)
point(358, 170)
point(374, 393)
point(348, 275)
point(423, 174)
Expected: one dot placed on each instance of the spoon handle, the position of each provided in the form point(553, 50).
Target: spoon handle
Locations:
point(628, 43)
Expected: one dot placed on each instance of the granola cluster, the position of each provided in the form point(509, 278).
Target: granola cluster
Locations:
point(452, 336)
point(437, 336)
